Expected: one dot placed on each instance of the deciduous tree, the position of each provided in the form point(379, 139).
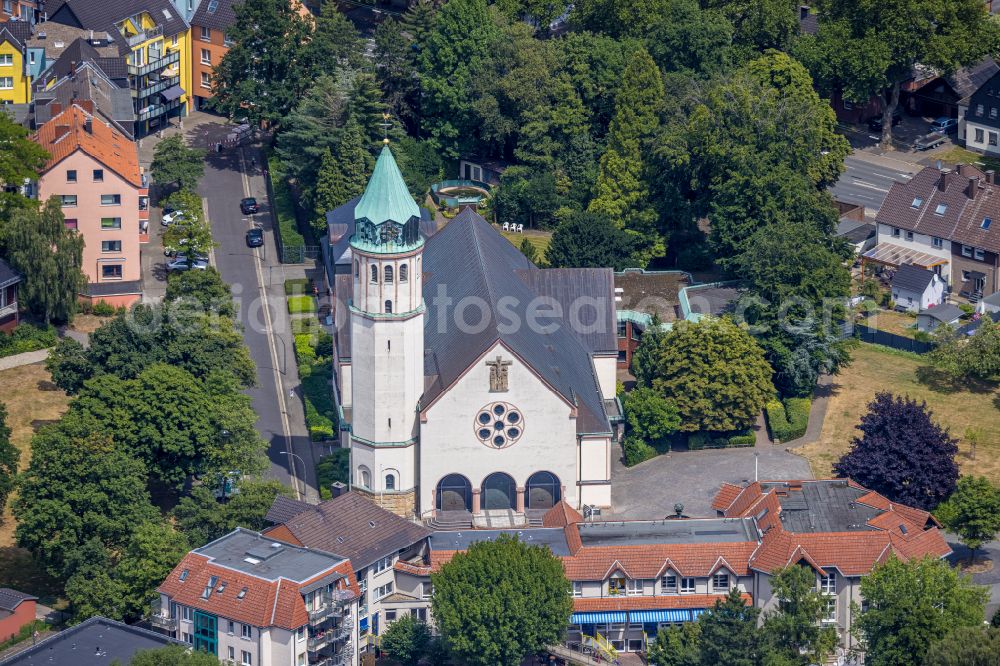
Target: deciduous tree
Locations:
point(966, 646)
point(177, 166)
point(190, 235)
point(173, 655)
point(794, 630)
point(590, 240)
point(10, 456)
point(407, 640)
point(902, 453)
point(973, 512)
point(204, 518)
point(910, 605)
point(21, 159)
point(500, 601)
point(715, 373)
point(50, 257)
point(677, 645)
point(651, 416)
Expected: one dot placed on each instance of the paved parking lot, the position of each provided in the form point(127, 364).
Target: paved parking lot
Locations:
point(649, 491)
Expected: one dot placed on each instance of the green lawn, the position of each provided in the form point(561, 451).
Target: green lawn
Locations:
point(959, 155)
point(540, 239)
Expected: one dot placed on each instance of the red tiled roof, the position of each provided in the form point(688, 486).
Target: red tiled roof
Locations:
point(561, 515)
point(266, 603)
point(726, 496)
point(664, 602)
point(647, 561)
point(282, 533)
point(747, 497)
point(415, 569)
point(68, 132)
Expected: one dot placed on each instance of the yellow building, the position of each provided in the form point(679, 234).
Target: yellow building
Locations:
point(154, 40)
point(15, 80)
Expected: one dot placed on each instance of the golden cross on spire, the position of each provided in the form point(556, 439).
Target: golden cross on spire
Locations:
point(386, 124)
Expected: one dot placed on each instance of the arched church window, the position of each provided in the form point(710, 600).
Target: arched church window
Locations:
point(364, 477)
point(388, 274)
point(388, 307)
point(390, 481)
point(357, 268)
point(404, 272)
point(375, 274)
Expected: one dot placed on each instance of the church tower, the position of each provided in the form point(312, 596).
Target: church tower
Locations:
point(387, 338)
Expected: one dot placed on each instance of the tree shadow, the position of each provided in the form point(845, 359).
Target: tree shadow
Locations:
point(21, 571)
point(941, 382)
point(46, 385)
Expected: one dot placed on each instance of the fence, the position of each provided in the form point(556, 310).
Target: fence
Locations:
point(879, 337)
point(291, 249)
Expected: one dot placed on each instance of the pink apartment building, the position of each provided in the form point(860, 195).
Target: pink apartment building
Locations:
point(94, 171)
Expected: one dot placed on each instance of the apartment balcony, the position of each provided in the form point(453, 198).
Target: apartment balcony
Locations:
point(169, 59)
point(331, 605)
point(163, 621)
point(144, 91)
point(155, 110)
point(315, 643)
point(145, 35)
point(8, 310)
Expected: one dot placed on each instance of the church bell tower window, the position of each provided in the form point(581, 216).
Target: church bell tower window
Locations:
point(388, 274)
point(388, 307)
point(374, 274)
point(404, 273)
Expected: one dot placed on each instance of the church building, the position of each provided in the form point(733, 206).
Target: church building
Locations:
point(470, 381)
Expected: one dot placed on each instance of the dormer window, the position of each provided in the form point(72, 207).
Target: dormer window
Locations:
point(941, 209)
point(917, 202)
point(687, 586)
point(668, 584)
point(212, 580)
point(616, 585)
point(979, 110)
point(720, 581)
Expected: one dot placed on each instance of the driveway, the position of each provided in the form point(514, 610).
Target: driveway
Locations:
point(991, 579)
point(649, 491)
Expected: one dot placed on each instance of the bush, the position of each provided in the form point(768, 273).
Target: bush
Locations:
point(296, 286)
point(636, 451)
point(27, 338)
point(330, 468)
point(292, 243)
point(788, 420)
point(966, 308)
point(742, 440)
point(305, 325)
point(305, 352)
point(321, 418)
point(721, 440)
point(301, 304)
point(104, 309)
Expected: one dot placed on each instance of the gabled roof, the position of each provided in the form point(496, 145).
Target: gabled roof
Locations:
point(567, 287)
point(726, 496)
point(214, 14)
point(471, 260)
point(8, 275)
point(386, 196)
point(75, 129)
point(912, 278)
point(285, 508)
point(967, 80)
point(351, 526)
point(946, 312)
point(11, 599)
point(561, 515)
point(16, 32)
point(95, 15)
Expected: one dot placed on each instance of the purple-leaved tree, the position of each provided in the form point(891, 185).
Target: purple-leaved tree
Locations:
point(902, 453)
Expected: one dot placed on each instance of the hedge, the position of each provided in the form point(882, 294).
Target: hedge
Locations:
point(291, 242)
point(301, 304)
point(721, 440)
point(636, 451)
point(314, 355)
point(27, 338)
point(296, 286)
point(788, 420)
point(330, 468)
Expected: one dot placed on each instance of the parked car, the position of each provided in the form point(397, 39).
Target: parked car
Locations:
point(170, 216)
point(875, 124)
point(248, 206)
point(180, 263)
point(944, 125)
point(255, 237)
point(169, 251)
point(929, 141)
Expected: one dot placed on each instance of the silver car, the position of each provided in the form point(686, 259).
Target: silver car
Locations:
point(180, 263)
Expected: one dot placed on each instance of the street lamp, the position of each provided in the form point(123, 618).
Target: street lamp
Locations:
point(295, 455)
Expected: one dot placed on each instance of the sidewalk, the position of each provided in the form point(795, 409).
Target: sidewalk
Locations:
point(27, 358)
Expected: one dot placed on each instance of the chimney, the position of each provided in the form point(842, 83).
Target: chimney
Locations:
point(943, 181)
point(991, 176)
point(973, 187)
point(88, 125)
point(337, 489)
point(55, 108)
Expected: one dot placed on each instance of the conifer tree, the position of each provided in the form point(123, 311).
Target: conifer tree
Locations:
point(9, 458)
point(342, 175)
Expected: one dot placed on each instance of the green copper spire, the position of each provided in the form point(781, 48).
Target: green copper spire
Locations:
point(386, 197)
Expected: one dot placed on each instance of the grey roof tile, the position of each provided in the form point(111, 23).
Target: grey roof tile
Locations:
point(944, 313)
point(103, 15)
point(11, 599)
point(583, 294)
point(912, 278)
point(215, 14)
point(8, 275)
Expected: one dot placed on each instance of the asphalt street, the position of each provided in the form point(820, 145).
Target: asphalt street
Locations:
point(866, 182)
point(257, 281)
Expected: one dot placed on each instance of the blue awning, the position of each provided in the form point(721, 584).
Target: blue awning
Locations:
point(611, 617)
point(695, 613)
point(172, 93)
point(363, 625)
point(675, 615)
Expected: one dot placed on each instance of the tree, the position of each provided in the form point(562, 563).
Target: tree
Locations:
point(264, 73)
point(729, 633)
point(50, 257)
point(190, 235)
point(619, 18)
point(69, 366)
point(715, 373)
point(527, 248)
point(590, 240)
point(622, 191)
point(911, 605)
point(343, 175)
point(977, 358)
point(204, 518)
point(651, 416)
point(863, 49)
point(406, 640)
point(973, 512)
point(965, 646)
point(500, 601)
point(794, 630)
point(178, 166)
point(10, 456)
point(677, 645)
point(334, 44)
point(902, 453)
point(646, 357)
point(759, 25)
point(79, 486)
point(691, 40)
point(173, 655)
point(154, 550)
point(178, 426)
point(21, 159)
point(203, 287)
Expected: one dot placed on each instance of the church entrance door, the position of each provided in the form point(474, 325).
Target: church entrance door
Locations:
point(543, 490)
point(498, 492)
point(454, 493)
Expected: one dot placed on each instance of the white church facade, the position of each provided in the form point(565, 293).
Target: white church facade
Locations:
point(470, 381)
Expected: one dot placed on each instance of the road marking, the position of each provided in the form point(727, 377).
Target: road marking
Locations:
point(208, 221)
point(269, 333)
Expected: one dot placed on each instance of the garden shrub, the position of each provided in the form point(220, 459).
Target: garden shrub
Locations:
point(742, 440)
point(788, 420)
point(636, 450)
point(27, 338)
point(330, 468)
point(313, 353)
point(104, 309)
point(296, 286)
point(301, 304)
